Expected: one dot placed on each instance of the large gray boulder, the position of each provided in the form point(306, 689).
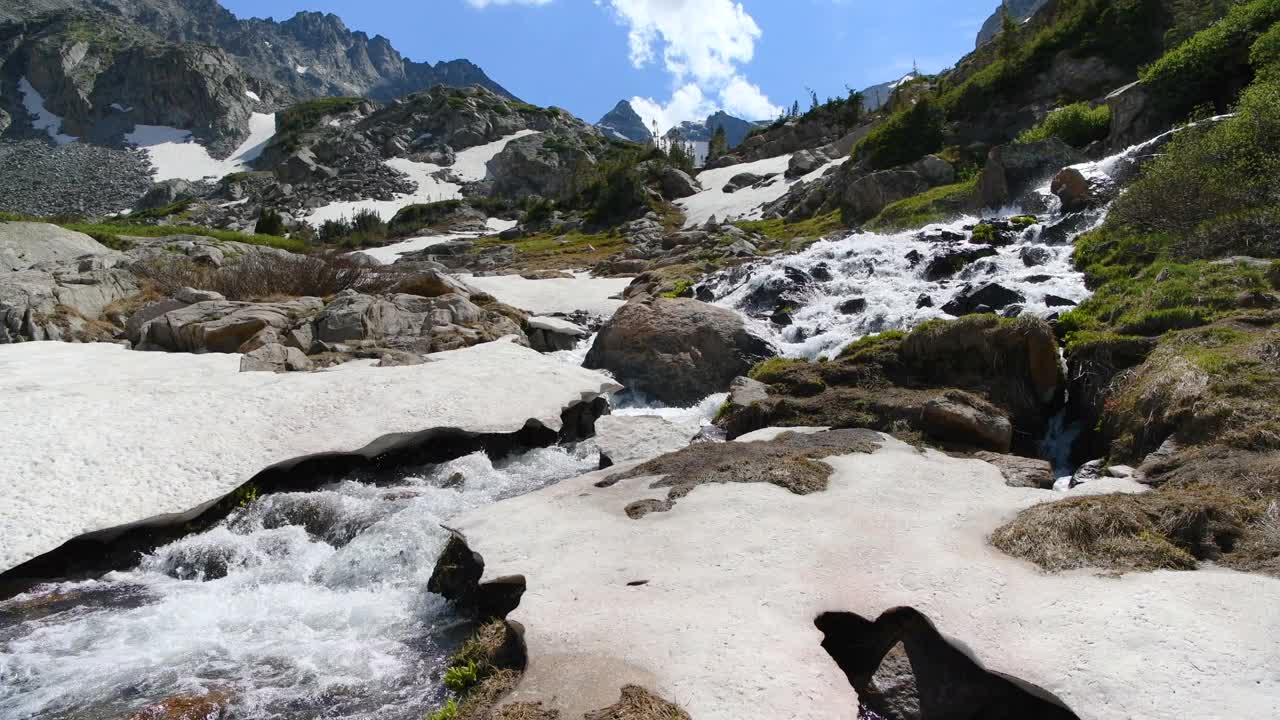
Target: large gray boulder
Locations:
point(24, 245)
point(409, 323)
point(166, 193)
point(538, 166)
point(222, 326)
point(1012, 171)
point(676, 350)
point(55, 283)
point(868, 195)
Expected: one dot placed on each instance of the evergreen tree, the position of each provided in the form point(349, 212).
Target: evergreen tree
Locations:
point(269, 223)
point(719, 144)
point(1008, 33)
point(795, 109)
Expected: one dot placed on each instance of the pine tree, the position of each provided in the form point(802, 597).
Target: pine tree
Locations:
point(795, 109)
point(269, 223)
point(719, 144)
point(1008, 32)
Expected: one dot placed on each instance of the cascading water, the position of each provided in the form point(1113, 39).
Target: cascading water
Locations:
point(297, 605)
point(815, 302)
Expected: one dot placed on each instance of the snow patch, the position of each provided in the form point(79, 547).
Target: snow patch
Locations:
point(389, 254)
point(746, 203)
point(80, 423)
point(557, 296)
point(252, 96)
point(471, 165)
point(301, 69)
point(174, 153)
point(43, 119)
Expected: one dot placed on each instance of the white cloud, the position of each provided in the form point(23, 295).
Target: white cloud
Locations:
point(702, 43)
point(486, 3)
point(687, 102)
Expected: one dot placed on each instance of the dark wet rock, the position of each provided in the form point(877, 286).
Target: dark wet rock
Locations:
point(852, 306)
point(972, 299)
point(1035, 255)
point(1055, 301)
point(951, 261)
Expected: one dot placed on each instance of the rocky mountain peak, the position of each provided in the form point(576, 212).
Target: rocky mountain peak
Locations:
point(1019, 9)
point(624, 123)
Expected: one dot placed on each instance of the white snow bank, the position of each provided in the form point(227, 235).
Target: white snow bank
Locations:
point(498, 225)
point(97, 436)
point(43, 118)
point(301, 69)
point(252, 96)
point(737, 573)
point(745, 204)
point(558, 296)
point(470, 165)
point(388, 254)
point(174, 153)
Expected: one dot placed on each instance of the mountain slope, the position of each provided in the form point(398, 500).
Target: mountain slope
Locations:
point(1019, 9)
point(311, 54)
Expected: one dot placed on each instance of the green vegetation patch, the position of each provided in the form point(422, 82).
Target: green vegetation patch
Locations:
point(905, 137)
point(810, 229)
point(1162, 297)
point(1077, 125)
point(551, 251)
point(113, 232)
point(1214, 61)
point(932, 206)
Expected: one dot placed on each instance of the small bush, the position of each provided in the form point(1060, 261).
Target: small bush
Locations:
point(298, 119)
point(1076, 124)
point(985, 234)
point(269, 223)
point(772, 370)
point(905, 137)
point(448, 712)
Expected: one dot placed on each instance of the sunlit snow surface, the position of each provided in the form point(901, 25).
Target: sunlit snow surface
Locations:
point(433, 182)
point(746, 203)
point(175, 154)
point(300, 605)
point(42, 117)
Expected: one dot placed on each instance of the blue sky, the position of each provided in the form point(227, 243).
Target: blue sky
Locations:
point(677, 59)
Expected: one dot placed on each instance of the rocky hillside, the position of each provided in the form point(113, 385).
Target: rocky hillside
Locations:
point(309, 55)
point(1019, 11)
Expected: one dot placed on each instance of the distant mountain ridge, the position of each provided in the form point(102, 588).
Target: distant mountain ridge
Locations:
point(309, 55)
point(624, 123)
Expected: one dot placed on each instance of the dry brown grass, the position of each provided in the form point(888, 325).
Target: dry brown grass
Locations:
point(523, 711)
point(1173, 528)
point(791, 462)
point(257, 276)
point(639, 704)
point(480, 699)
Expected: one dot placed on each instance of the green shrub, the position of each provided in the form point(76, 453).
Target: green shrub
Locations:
point(269, 223)
point(461, 678)
point(984, 234)
point(298, 119)
point(905, 137)
point(1209, 173)
point(1214, 63)
point(1076, 124)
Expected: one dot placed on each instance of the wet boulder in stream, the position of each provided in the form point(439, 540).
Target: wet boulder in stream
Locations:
point(676, 350)
point(973, 298)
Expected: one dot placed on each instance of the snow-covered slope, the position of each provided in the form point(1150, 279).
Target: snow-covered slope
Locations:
point(175, 154)
point(712, 604)
point(744, 204)
point(155, 434)
point(597, 296)
point(42, 118)
point(434, 183)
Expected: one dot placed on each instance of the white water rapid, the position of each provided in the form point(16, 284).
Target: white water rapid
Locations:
point(299, 605)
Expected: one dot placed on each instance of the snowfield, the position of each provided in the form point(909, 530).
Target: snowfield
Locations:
point(159, 435)
point(175, 155)
point(42, 118)
point(433, 185)
point(597, 296)
point(745, 204)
